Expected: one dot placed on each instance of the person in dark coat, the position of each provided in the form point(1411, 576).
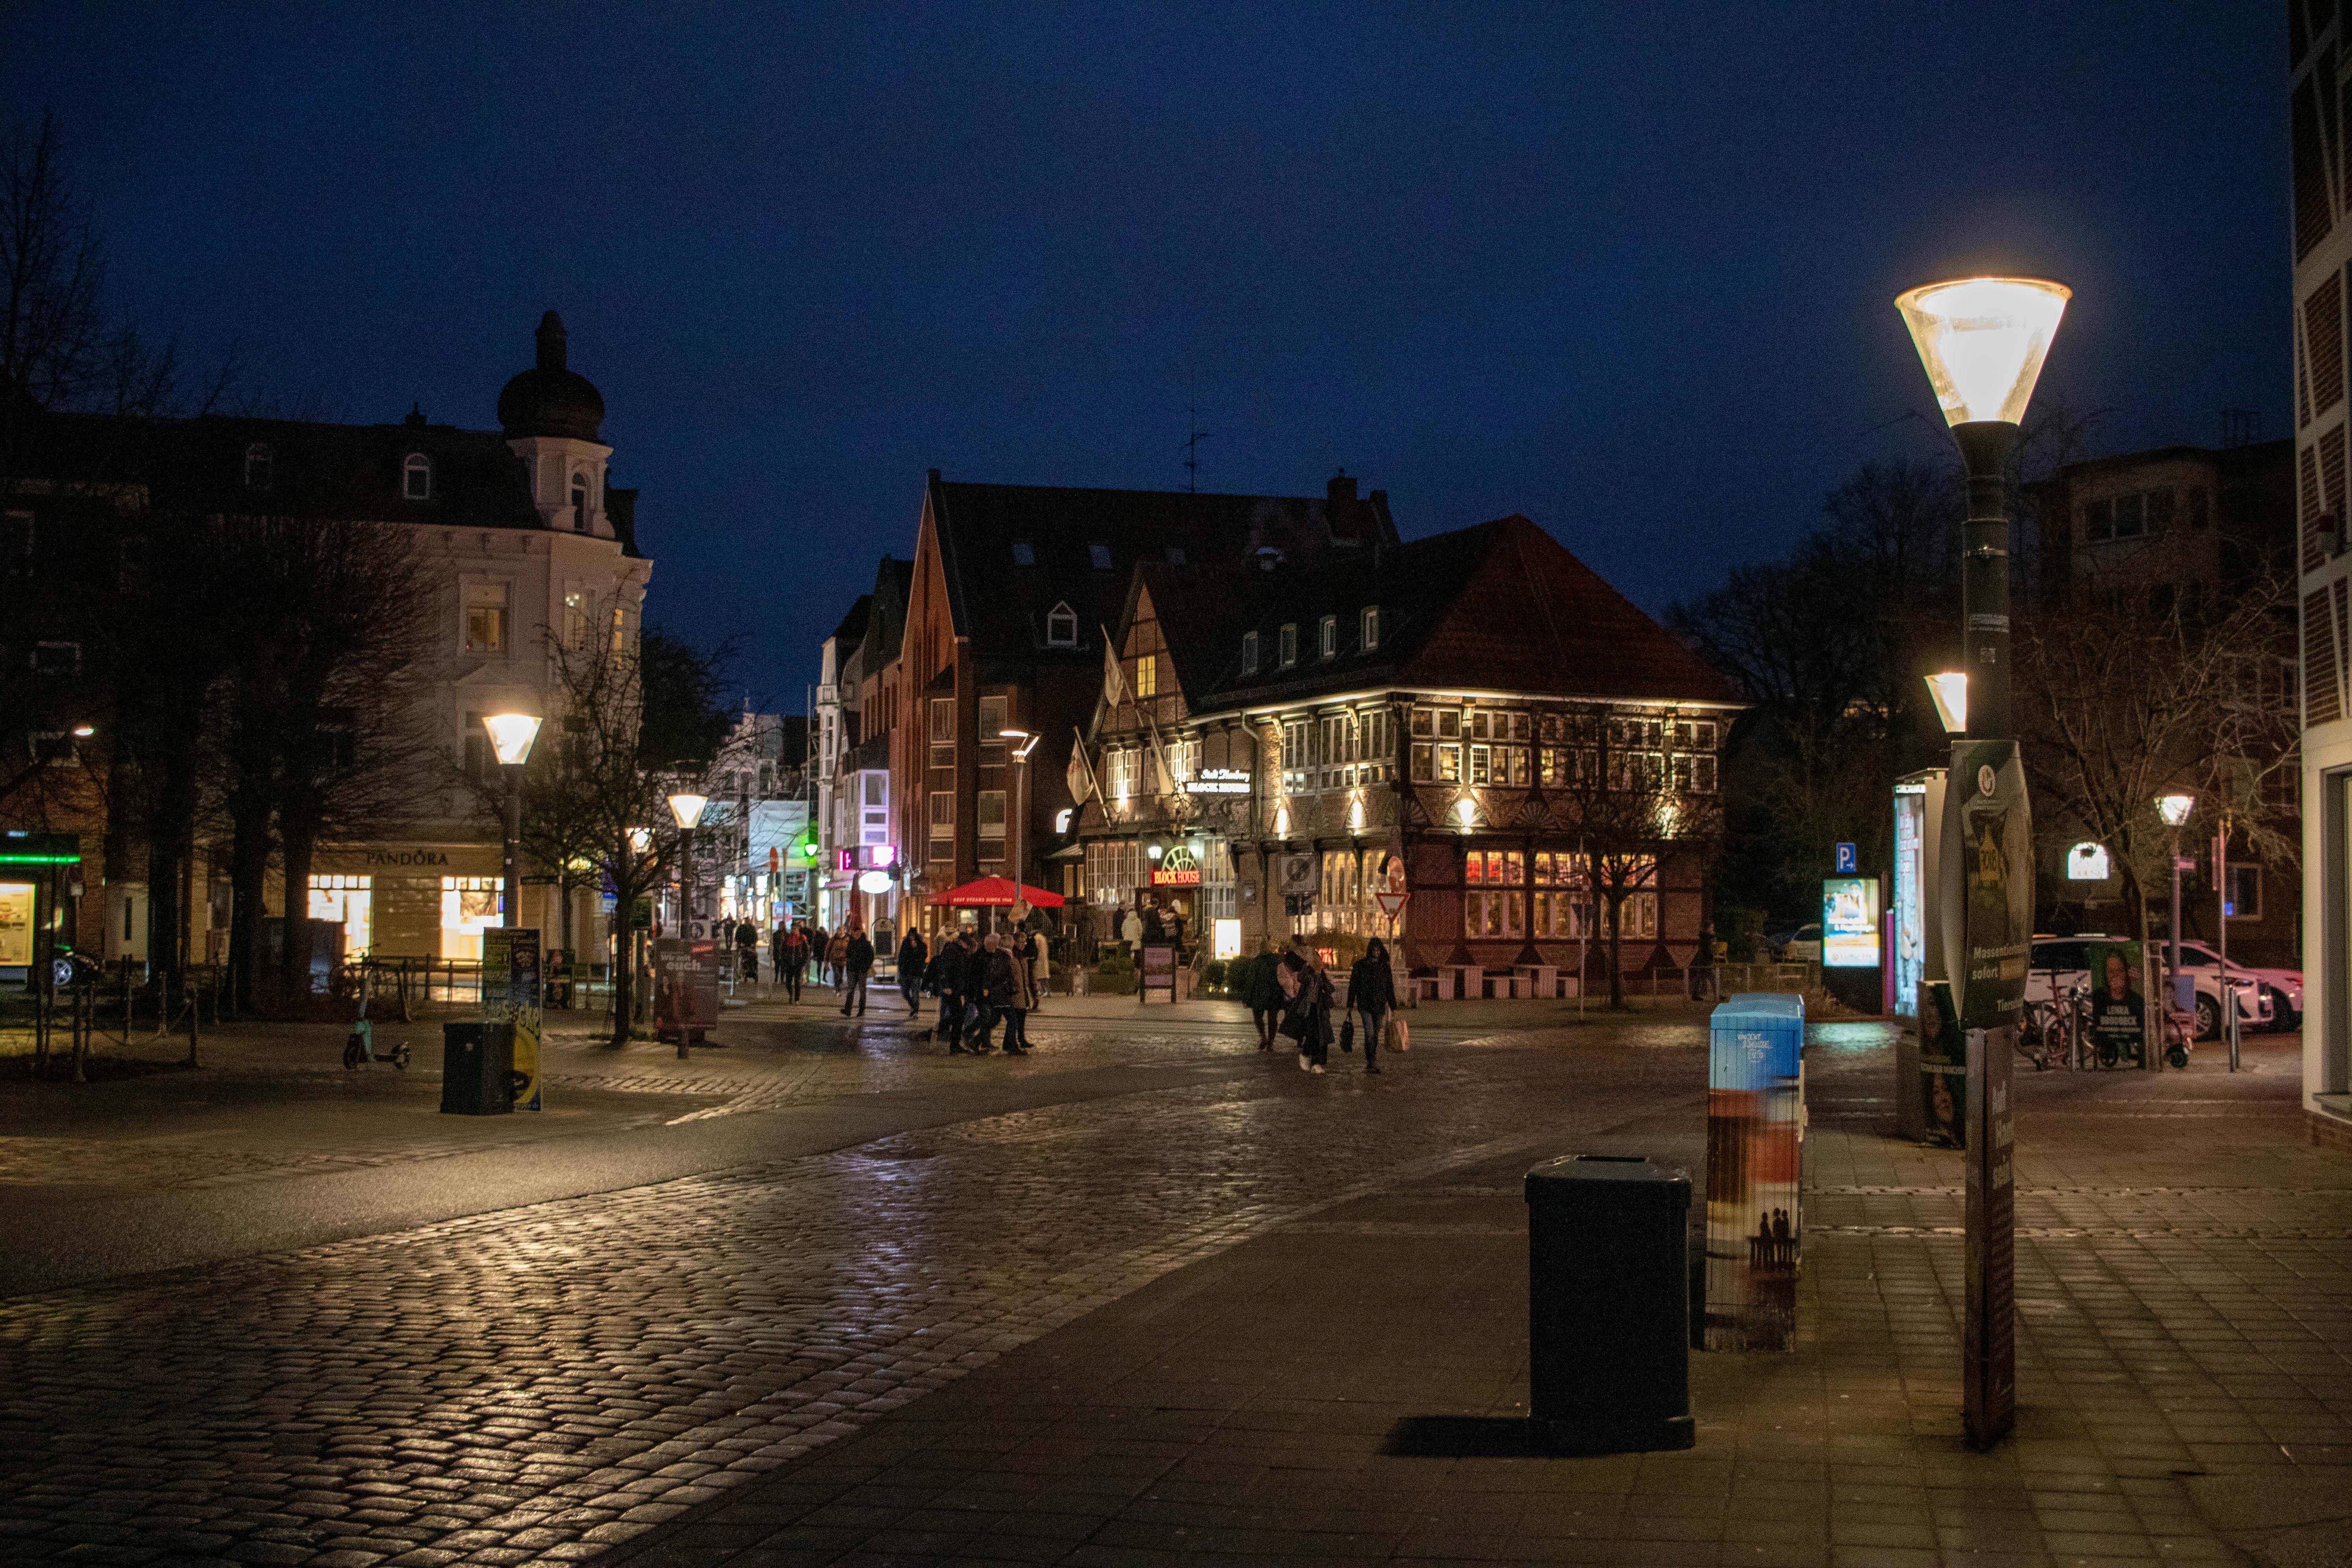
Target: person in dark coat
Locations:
point(816, 951)
point(1307, 1018)
point(957, 991)
point(747, 953)
point(941, 977)
point(856, 963)
point(913, 957)
point(1371, 992)
point(778, 941)
point(1264, 996)
point(999, 992)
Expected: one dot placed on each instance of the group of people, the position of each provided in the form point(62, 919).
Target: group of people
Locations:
point(980, 980)
point(1294, 998)
point(1147, 926)
point(843, 959)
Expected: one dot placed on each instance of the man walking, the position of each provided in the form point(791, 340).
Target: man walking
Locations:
point(795, 962)
point(1703, 965)
point(747, 953)
point(913, 957)
point(857, 962)
point(996, 992)
point(1371, 992)
point(958, 966)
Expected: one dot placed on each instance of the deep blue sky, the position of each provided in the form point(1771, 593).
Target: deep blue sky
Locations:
point(1623, 267)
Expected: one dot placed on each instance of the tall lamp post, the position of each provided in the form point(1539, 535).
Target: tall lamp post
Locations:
point(2175, 810)
point(511, 735)
point(1982, 341)
point(1020, 800)
point(687, 808)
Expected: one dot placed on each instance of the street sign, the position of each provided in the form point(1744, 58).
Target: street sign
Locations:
point(2184, 862)
point(1848, 862)
point(1391, 904)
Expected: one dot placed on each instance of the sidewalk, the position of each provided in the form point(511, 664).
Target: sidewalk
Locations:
point(2184, 1333)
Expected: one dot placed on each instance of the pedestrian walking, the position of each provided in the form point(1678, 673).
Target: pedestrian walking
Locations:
point(856, 963)
point(836, 953)
point(1372, 994)
point(1131, 933)
point(1703, 965)
point(914, 956)
point(1028, 986)
point(999, 992)
point(959, 998)
point(817, 941)
point(1264, 996)
point(939, 980)
point(795, 960)
point(1155, 928)
point(747, 952)
point(1308, 1017)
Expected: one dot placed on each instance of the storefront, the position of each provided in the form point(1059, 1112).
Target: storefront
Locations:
point(405, 901)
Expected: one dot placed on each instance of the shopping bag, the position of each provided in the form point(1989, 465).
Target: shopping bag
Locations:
point(1394, 1034)
point(1347, 1035)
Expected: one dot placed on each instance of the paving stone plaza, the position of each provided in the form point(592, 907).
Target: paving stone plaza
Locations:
point(828, 1295)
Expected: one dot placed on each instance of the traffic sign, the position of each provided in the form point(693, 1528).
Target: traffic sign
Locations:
point(1391, 904)
point(1848, 862)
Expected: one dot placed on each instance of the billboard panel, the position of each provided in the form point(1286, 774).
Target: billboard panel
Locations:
point(1849, 922)
point(1910, 911)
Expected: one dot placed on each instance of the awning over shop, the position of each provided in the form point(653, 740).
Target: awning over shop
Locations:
point(994, 892)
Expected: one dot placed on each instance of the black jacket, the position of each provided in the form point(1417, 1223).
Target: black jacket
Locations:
point(860, 957)
point(1372, 986)
point(912, 953)
point(996, 978)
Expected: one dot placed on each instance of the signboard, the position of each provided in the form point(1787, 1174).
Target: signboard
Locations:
point(686, 987)
point(1849, 922)
point(510, 999)
point(1989, 1350)
point(16, 924)
point(1297, 877)
point(1846, 863)
point(1218, 781)
point(1910, 907)
point(1985, 882)
point(873, 882)
point(2088, 863)
point(1224, 939)
point(776, 828)
point(22, 847)
point(1391, 904)
point(1159, 971)
point(1177, 868)
point(2119, 1021)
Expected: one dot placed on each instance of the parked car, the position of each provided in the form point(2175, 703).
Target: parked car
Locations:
point(2284, 985)
point(1802, 945)
point(2061, 963)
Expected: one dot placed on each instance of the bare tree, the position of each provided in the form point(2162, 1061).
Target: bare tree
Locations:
point(2132, 692)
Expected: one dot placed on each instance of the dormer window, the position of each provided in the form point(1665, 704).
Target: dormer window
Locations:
point(260, 466)
point(1249, 653)
point(580, 503)
point(1062, 627)
point(1099, 556)
point(417, 477)
point(1175, 555)
point(1368, 628)
point(1287, 647)
point(1024, 553)
point(1326, 637)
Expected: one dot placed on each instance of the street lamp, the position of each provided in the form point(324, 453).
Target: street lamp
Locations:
point(688, 810)
point(1020, 791)
point(1949, 692)
point(511, 735)
point(2175, 810)
point(1982, 341)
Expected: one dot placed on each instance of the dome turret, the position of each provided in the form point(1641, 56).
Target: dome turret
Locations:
point(550, 399)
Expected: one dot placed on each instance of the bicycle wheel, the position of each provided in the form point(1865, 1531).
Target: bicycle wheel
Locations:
point(350, 1055)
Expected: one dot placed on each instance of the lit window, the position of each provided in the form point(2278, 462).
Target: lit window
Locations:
point(1249, 653)
point(1327, 636)
point(1024, 553)
point(578, 613)
point(417, 477)
point(1368, 628)
point(1147, 676)
point(485, 617)
point(579, 502)
point(260, 467)
point(1099, 554)
point(1062, 624)
point(942, 732)
point(1289, 646)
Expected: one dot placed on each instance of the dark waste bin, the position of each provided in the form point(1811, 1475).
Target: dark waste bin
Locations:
point(477, 1069)
point(1609, 1303)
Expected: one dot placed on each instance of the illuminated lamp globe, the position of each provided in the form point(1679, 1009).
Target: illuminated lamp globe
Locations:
point(511, 735)
point(1950, 693)
point(2175, 809)
point(688, 809)
point(1984, 341)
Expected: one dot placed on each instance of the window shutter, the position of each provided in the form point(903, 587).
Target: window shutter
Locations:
point(2312, 555)
point(2312, 214)
point(2322, 703)
point(2323, 333)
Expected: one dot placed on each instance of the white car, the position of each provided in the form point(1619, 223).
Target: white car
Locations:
point(1802, 945)
point(2061, 964)
point(2284, 985)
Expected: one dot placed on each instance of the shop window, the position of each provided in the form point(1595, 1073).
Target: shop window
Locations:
point(352, 901)
point(485, 617)
point(417, 477)
point(469, 906)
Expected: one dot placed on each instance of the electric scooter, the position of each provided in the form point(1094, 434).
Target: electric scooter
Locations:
point(360, 1044)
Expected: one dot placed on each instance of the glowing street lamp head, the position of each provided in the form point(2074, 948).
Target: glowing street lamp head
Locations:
point(688, 809)
point(511, 735)
point(2175, 809)
point(1984, 341)
point(641, 839)
point(1950, 692)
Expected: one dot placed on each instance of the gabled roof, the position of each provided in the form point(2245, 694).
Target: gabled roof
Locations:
point(1500, 607)
point(851, 632)
point(886, 622)
point(1001, 603)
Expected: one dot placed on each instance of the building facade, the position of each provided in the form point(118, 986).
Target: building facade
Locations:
point(529, 550)
point(1473, 720)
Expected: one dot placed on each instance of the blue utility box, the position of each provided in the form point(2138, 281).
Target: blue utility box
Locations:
point(1755, 1128)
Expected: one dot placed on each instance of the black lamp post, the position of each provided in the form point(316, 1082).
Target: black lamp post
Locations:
point(511, 735)
point(687, 808)
point(1984, 341)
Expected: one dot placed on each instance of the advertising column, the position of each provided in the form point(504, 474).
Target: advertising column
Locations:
point(510, 999)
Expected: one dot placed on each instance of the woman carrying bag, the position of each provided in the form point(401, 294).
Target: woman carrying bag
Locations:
point(1308, 1017)
point(1371, 991)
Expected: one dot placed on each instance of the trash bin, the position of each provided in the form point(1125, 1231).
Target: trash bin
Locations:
point(1609, 1303)
point(477, 1069)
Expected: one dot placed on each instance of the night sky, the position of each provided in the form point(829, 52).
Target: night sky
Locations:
point(1626, 268)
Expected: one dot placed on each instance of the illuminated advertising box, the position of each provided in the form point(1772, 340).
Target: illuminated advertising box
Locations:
point(1849, 922)
point(1910, 897)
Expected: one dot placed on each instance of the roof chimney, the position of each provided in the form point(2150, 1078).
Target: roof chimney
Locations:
point(1339, 513)
point(1341, 491)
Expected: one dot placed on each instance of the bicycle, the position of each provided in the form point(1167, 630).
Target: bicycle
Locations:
point(2046, 1035)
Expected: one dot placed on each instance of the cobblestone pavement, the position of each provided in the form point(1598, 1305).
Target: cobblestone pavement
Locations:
point(1347, 1386)
point(539, 1383)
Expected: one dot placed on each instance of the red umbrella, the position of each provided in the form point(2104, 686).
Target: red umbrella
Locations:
point(995, 892)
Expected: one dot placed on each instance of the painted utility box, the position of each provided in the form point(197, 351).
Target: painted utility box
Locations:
point(1755, 1128)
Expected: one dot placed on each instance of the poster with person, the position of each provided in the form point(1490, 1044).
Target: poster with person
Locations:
point(2118, 1012)
point(1943, 1066)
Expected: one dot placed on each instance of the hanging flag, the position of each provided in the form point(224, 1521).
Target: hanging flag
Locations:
point(1081, 774)
point(1114, 683)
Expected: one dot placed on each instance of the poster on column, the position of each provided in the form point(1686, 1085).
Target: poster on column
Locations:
point(1943, 1066)
point(510, 996)
point(1985, 882)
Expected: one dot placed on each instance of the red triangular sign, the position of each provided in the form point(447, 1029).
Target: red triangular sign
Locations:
point(1391, 904)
